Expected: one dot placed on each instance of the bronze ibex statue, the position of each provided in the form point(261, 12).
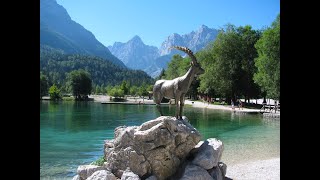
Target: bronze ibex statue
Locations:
point(178, 87)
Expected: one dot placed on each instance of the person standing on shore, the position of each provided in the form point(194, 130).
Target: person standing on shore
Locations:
point(240, 104)
point(232, 104)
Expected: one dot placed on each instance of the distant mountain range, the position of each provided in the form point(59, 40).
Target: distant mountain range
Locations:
point(136, 55)
point(59, 31)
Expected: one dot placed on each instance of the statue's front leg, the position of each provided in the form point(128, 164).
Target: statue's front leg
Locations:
point(177, 108)
point(181, 105)
point(159, 109)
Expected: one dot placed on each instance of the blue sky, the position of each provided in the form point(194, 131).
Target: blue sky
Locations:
point(154, 20)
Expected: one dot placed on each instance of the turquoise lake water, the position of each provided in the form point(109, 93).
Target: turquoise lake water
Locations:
point(72, 133)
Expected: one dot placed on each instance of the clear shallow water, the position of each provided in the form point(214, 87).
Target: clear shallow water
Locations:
point(72, 133)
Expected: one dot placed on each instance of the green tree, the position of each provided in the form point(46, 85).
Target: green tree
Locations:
point(207, 79)
point(116, 92)
point(161, 75)
point(43, 85)
point(229, 63)
point(177, 67)
point(142, 91)
point(108, 89)
point(80, 83)
point(97, 89)
point(54, 92)
point(268, 61)
point(125, 86)
point(249, 37)
point(103, 89)
point(133, 90)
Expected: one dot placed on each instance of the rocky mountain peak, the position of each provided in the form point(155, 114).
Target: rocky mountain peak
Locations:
point(203, 28)
point(136, 38)
point(135, 54)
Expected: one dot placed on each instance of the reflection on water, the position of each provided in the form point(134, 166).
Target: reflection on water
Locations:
point(72, 133)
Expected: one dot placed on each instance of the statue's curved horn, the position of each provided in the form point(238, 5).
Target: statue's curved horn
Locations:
point(186, 50)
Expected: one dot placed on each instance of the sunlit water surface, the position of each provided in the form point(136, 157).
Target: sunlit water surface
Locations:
point(72, 133)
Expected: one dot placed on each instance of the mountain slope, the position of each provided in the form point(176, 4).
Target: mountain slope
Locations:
point(55, 64)
point(58, 30)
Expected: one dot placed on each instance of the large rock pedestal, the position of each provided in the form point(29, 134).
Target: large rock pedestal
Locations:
point(163, 148)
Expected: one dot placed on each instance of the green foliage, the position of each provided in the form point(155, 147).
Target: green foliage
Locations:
point(99, 162)
point(268, 61)
point(149, 87)
point(80, 83)
point(108, 89)
point(103, 89)
point(133, 90)
point(161, 75)
point(229, 63)
point(236, 64)
point(54, 92)
point(177, 67)
point(142, 90)
point(43, 85)
point(55, 65)
point(116, 92)
point(125, 86)
point(97, 89)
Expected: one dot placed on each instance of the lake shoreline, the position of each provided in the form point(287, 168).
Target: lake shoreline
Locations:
point(104, 99)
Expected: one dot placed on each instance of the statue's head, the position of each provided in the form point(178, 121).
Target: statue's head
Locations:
point(198, 68)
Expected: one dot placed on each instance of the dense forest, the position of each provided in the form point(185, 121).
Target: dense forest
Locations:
point(55, 66)
point(240, 63)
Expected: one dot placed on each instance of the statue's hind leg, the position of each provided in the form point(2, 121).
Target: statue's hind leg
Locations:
point(181, 105)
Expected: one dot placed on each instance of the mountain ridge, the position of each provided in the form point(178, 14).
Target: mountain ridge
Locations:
point(152, 59)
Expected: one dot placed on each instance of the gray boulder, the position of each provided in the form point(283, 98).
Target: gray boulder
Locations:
point(102, 175)
point(76, 177)
point(85, 171)
point(193, 172)
point(152, 178)
point(129, 175)
point(208, 153)
point(156, 147)
point(216, 173)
